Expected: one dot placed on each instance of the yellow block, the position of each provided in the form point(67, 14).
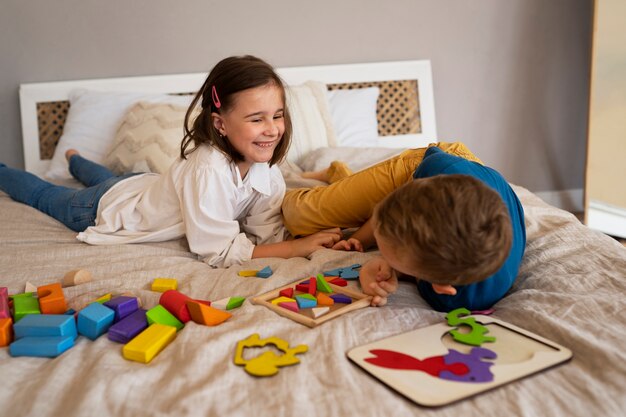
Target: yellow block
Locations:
point(164, 284)
point(147, 344)
point(248, 273)
point(275, 301)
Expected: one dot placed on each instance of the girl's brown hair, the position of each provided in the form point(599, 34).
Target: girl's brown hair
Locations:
point(453, 229)
point(230, 76)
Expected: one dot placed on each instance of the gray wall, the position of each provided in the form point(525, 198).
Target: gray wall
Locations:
point(511, 77)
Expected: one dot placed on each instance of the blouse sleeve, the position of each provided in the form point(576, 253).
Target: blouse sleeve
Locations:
point(208, 202)
point(264, 221)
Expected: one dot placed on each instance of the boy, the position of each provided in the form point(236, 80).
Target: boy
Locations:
point(455, 225)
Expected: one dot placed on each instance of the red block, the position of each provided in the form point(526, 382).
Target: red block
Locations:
point(176, 303)
point(312, 285)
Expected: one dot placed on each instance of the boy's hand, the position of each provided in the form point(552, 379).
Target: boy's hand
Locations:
point(349, 244)
point(379, 280)
point(307, 245)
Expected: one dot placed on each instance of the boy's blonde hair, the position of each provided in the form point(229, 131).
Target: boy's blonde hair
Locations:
point(453, 229)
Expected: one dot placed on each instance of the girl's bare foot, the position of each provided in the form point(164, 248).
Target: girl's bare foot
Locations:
point(336, 171)
point(69, 153)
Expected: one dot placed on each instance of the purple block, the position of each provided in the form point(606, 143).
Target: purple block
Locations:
point(478, 370)
point(130, 326)
point(123, 306)
point(341, 298)
point(5, 312)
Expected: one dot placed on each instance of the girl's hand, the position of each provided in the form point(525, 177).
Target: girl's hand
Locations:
point(307, 245)
point(349, 244)
point(379, 280)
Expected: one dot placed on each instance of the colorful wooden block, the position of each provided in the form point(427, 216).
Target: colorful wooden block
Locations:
point(302, 287)
point(293, 306)
point(283, 300)
point(235, 302)
point(341, 299)
point(176, 303)
point(46, 347)
point(209, 316)
point(265, 272)
point(24, 304)
point(319, 311)
point(322, 284)
point(159, 314)
point(149, 343)
point(77, 277)
point(5, 311)
point(51, 299)
point(324, 300)
point(45, 325)
point(30, 287)
point(312, 286)
point(130, 326)
point(248, 273)
point(220, 304)
point(348, 272)
point(6, 331)
point(164, 284)
point(104, 298)
point(123, 306)
point(306, 302)
point(340, 282)
point(94, 320)
point(287, 292)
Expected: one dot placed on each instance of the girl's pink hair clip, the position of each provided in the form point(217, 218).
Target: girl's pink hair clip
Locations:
point(216, 99)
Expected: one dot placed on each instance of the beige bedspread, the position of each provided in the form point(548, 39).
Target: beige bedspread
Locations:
point(571, 289)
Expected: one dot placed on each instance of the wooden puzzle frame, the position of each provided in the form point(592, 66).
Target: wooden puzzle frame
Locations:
point(359, 300)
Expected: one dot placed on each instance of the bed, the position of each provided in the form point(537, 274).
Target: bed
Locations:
point(571, 289)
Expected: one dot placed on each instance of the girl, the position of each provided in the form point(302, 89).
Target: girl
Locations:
point(224, 193)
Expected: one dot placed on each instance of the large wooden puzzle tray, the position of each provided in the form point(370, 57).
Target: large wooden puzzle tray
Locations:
point(430, 367)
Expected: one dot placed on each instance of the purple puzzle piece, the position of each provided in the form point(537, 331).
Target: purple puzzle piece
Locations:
point(123, 306)
point(341, 298)
point(478, 370)
point(130, 326)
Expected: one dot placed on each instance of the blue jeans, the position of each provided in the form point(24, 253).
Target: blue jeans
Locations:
point(74, 208)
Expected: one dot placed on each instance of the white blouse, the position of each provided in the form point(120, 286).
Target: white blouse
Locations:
point(202, 197)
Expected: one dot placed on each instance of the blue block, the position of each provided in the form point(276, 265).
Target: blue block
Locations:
point(304, 302)
point(46, 347)
point(43, 325)
point(94, 320)
point(265, 272)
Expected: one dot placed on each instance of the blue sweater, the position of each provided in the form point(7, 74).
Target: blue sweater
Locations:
point(480, 295)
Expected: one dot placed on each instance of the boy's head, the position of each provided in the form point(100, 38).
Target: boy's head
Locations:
point(446, 229)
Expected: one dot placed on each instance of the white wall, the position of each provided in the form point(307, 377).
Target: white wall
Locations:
point(511, 77)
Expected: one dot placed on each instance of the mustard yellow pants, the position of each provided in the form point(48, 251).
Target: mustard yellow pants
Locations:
point(349, 201)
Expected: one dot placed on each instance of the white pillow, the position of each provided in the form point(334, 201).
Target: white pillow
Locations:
point(354, 116)
point(148, 139)
point(92, 121)
point(310, 118)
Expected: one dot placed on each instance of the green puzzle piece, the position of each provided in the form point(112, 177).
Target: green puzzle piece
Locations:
point(476, 336)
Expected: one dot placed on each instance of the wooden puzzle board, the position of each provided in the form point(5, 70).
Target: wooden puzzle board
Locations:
point(304, 316)
point(519, 354)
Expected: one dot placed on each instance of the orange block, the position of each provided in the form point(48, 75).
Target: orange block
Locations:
point(51, 299)
point(6, 331)
point(324, 300)
point(207, 315)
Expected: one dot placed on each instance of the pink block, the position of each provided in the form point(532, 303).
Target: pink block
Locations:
point(5, 311)
point(293, 306)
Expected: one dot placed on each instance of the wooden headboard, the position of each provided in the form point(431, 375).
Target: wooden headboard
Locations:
point(405, 108)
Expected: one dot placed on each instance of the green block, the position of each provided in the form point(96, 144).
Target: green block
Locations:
point(307, 296)
point(160, 315)
point(24, 304)
point(235, 302)
point(322, 284)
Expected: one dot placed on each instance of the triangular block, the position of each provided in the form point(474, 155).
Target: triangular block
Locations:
point(320, 311)
point(235, 302)
point(306, 302)
point(265, 272)
point(322, 284)
point(341, 298)
point(287, 292)
point(324, 300)
point(203, 314)
point(282, 300)
point(220, 304)
point(293, 306)
point(340, 282)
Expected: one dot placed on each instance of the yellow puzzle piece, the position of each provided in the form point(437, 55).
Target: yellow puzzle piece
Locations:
point(267, 363)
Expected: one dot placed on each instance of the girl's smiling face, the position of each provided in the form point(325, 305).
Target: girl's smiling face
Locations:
point(254, 124)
